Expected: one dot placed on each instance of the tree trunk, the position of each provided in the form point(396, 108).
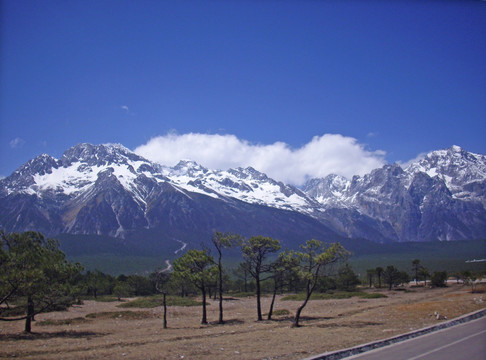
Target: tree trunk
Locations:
point(204, 320)
point(221, 321)
point(165, 311)
point(30, 315)
point(270, 312)
point(258, 294)
point(299, 311)
point(246, 281)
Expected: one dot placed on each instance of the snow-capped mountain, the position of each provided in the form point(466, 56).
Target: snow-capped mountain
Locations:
point(109, 190)
point(441, 197)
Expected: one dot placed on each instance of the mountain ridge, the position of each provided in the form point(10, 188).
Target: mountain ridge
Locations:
point(109, 190)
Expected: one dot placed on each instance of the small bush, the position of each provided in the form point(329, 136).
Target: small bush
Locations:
point(373, 296)
point(155, 301)
point(281, 312)
point(77, 320)
point(439, 279)
point(127, 315)
point(334, 295)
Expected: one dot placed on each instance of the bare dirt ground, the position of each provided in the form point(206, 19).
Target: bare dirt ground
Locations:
point(327, 325)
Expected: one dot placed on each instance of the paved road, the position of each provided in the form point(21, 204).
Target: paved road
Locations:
point(464, 341)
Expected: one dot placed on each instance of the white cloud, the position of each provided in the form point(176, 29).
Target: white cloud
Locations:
point(406, 164)
point(323, 155)
point(125, 108)
point(17, 143)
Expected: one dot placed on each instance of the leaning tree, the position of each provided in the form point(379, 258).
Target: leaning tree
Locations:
point(317, 258)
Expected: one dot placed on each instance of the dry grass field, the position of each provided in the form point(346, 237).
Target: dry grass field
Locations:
point(101, 330)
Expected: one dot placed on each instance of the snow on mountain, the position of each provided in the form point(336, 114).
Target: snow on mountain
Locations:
point(442, 196)
point(464, 173)
point(79, 168)
point(248, 185)
point(107, 189)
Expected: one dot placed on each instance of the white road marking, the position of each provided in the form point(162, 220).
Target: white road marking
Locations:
point(448, 345)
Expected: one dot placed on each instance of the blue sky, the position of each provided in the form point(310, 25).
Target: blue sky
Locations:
point(377, 80)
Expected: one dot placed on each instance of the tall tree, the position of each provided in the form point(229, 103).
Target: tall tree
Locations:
point(97, 283)
point(241, 273)
point(379, 272)
point(33, 267)
point(255, 252)
point(424, 274)
point(316, 257)
point(370, 273)
point(197, 267)
point(416, 266)
point(223, 241)
point(347, 278)
point(283, 270)
point(391, 276)
point(161, 279)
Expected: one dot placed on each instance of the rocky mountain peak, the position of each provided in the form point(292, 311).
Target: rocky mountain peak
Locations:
point(442, 196)
point(98, 155)
point(455, 166)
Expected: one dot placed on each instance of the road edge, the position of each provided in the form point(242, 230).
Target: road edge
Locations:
point(340, 354)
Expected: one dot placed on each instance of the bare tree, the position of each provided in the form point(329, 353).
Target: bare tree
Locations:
point(161, 279)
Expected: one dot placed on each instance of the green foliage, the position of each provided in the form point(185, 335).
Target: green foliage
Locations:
point(256, 249)
point(316, 259)
point(34, 268)
point(122, 289)
point(255, 252)
point(347, 280)
point(140, 285)
point(281, 312)
point(195, 266)
point(439, 278)
point(97, 283)
point(393, 277)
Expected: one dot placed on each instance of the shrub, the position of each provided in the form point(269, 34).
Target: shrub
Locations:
point(439, 278)
point(155, 301)
point(126, 315)
point(281, 312)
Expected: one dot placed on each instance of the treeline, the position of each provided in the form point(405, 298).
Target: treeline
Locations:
point(35, 275)
point(390, 276)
